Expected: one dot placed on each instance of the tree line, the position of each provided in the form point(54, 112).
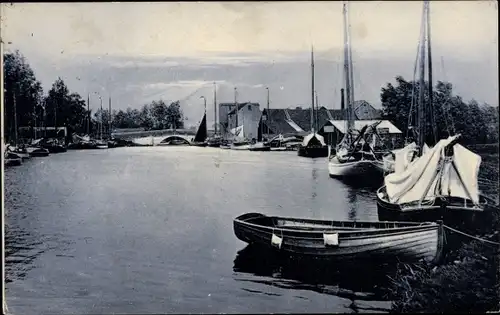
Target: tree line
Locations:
point(477, 123)
point(26, 105)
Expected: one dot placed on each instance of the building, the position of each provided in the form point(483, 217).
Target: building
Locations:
point(333, 131)
point(249, 116)
point(298, 122)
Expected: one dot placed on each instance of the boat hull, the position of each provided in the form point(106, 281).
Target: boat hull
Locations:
point(453, 213)
point(355, 168)
point(199, 144)
point(355, 240)
point(13, 162)
point(313, 152)
point(37, 152)
point(55, 148)
point(260, 149)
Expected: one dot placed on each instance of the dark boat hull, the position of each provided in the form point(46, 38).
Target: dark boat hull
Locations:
point(313, 152)
point(260, 149)
point(453, 213)
point(12, 162)
point(355, 240)
point(39, 153)
point(55, 148)
point(199, 144)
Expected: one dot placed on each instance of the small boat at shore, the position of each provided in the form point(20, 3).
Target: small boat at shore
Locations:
point(19, 151)
point(12, 159)
point(406, 241)
point(259, 146)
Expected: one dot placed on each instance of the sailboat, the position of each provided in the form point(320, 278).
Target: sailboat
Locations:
point(314, 145)
point(442, 182)
point(354, 156)
point(216, 140)
point(201, 133)
point(262, 146)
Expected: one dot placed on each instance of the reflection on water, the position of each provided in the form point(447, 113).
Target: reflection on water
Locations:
point(354, 281)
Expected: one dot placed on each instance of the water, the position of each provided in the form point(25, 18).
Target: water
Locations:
point(149, 230)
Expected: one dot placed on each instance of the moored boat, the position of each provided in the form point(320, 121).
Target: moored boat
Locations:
point(37, 152)
point(441, 185)
point(342, 239)
point(12, 159)
point(313, 146)
point(259, 146)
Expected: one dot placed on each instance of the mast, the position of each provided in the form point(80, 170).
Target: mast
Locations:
point(346, 70)
point(215, 109)
point(88, 114)
point(268, 114)
point(55, 115)
point(431, 107)
point(312, 90)
point(15, 116)
point(109, 118)
point(235, 110)
point(100, 121)
point(317, 109)
point(421, 104)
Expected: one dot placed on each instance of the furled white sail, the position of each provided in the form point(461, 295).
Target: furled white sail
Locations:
point(313, 135)
point(457, 176)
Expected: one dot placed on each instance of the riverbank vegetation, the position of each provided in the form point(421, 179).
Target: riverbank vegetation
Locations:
point(467, 280)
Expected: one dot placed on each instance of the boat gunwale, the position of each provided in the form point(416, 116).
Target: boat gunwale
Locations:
point(384, 202)
point(408, 226)
point(344, 235)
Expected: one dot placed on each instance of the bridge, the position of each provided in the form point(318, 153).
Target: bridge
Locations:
point(139, 133)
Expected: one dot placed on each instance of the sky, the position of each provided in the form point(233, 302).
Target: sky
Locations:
point(140, 52)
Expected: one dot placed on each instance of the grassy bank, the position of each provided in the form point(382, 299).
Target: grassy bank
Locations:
point(467, 281)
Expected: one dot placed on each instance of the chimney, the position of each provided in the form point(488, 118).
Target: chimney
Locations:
point(342, 105)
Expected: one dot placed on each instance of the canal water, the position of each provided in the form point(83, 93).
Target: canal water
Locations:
point(150, 230)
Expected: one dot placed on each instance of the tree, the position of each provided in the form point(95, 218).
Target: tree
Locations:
point(159, 113)
point(65, 109)
point(146, 120)
point(451, 114)
point(22, 88)
point(174, 115)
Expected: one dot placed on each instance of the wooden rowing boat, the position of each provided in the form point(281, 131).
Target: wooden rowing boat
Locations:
point(406, 241)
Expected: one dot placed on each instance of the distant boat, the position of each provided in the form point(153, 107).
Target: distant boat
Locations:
point(201, 133)
point(259, 146)
point(314, 145)
point(53, 145)
point(405, 241)
point(12, 159)
point(20, 151)
point(101, 144)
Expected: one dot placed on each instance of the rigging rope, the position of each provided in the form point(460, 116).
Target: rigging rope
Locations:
point(471, 236)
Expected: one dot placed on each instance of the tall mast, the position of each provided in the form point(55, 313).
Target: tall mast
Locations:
point(100, 124)
point(215, 109)
point(421, 83)
point(317, 110)
point(109, 117)
point(236, 109)
point(268, 114)
point(88, 114)
point(55, 114)
point(346, 70)
point(431, 107)
point(312, 90)
point(15, 115)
